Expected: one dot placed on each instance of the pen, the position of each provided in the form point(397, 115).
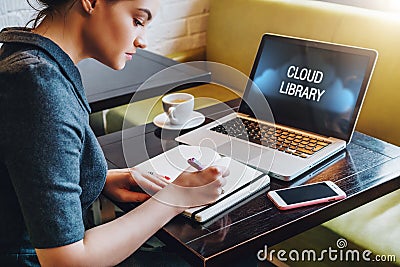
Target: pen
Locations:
point(195, 163)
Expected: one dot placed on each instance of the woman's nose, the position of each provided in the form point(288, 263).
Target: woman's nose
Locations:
point(140, 42)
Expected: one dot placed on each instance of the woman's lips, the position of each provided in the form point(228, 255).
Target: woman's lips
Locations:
point(129, 56)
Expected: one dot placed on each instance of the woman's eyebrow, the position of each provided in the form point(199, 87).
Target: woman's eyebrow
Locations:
point(145, 10)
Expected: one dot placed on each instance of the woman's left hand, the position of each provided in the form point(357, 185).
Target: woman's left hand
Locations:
point(120, 184)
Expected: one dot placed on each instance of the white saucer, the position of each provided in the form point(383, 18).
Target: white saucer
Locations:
point(195, 119)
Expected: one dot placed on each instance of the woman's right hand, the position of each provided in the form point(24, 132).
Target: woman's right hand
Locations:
point(193, 189)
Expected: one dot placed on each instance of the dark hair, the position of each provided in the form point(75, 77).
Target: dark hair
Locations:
point(49, 8)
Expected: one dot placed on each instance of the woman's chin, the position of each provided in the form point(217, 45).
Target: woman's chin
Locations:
point(118, 65)
point(113, 64)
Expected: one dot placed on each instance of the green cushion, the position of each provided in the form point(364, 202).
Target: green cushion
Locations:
point(375, 226)
point(96, 123)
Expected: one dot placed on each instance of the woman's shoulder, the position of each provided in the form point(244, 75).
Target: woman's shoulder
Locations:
point(34, 69)
point(26, 62)
point(32, 78)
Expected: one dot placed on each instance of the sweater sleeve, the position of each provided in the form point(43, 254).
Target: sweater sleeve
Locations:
point(44, 143)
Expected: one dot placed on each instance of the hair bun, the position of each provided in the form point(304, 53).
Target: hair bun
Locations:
point(47, 7)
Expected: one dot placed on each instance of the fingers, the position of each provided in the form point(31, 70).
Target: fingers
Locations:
point(191, 189)
point(149, 183)
point(156, 178)
point(153, 177)
point(219, 170)
point(225, 172)
point(134, 197)
point(214, 177)
point(219, 173)
point(214, 172)
point(222, 181)
point(216, 186)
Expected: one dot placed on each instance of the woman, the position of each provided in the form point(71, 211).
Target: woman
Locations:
point(51, 166)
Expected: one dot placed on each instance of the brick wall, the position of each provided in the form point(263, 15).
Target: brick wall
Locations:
point(179, 26)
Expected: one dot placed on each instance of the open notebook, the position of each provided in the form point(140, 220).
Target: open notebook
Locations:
point(242, 182)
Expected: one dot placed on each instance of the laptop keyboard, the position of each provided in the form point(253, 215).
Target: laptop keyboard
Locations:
point(290, 142)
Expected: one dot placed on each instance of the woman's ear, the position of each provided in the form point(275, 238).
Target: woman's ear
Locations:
point(88, 5)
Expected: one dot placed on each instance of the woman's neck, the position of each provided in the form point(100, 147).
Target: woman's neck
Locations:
point(65, 32)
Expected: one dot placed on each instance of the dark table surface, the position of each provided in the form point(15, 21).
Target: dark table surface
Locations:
point(367, 169)
point(106, 88)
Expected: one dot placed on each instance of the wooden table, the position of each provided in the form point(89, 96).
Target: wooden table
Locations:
point(367, 169)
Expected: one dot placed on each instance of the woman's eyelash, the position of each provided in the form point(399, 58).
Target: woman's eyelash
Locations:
point(137, 22)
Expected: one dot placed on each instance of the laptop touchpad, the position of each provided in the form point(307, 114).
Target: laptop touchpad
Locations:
point(239, 150)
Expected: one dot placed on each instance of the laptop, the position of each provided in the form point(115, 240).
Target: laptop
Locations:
point(298, 109)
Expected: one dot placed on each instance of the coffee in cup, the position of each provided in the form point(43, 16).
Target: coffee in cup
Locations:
point(178, 107)
point(177, 101)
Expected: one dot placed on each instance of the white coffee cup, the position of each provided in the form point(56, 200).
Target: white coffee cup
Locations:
point(178, 107)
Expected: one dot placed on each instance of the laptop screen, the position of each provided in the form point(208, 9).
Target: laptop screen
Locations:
point(313, 86)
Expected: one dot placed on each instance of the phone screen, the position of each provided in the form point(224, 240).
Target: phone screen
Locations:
point(306, 193)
